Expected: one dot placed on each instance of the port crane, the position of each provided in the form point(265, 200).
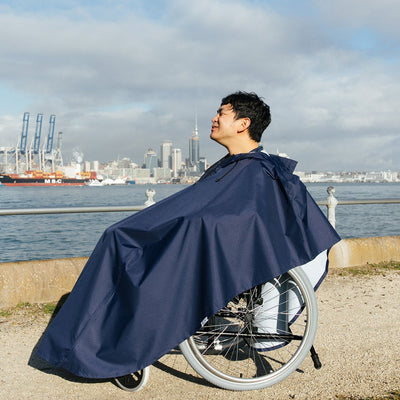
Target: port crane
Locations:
point(49, 156)
point(53, 157)
point(50, 136)
point(24, 134)
point(33, 157)
point(34, 149)
point(17, 151)
point(21, 146)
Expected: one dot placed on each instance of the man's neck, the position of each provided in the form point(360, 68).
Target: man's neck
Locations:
point(243, 147)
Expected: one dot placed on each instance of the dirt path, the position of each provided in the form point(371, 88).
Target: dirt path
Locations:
point(358, 341)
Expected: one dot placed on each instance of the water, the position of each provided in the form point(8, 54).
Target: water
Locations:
point(33, 237)
point(363, 220)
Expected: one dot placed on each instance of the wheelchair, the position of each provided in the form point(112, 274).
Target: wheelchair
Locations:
point(258, 339)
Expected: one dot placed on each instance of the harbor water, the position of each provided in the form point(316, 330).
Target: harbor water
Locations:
point(34, 237)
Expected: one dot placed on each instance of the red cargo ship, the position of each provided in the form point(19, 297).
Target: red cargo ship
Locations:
point(40, 178)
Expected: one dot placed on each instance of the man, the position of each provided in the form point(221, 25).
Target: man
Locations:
point(240, 122)
point(155, 276)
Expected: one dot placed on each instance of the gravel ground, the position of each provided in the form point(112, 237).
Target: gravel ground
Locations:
point(358, 341)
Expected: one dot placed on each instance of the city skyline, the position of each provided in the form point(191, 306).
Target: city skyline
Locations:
point(169, 156)
point(306, 174)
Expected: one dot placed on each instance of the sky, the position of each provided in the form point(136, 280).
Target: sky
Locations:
point(121, 76)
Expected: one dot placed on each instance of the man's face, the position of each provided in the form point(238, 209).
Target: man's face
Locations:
point(224, 125)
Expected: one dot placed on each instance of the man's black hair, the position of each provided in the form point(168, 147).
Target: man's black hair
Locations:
point(249, 105)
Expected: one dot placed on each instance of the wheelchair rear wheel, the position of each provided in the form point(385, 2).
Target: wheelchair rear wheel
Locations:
point(259, 338)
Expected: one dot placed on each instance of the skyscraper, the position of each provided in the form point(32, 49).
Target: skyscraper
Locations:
point(150, 160)
point(176, 161)
point(194, 147)
point(165, 154)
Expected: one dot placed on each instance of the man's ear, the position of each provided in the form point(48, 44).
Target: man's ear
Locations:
point(244, 124)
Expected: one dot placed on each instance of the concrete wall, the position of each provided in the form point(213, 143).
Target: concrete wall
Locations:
point(38, 281)
point(47, 280)
point(361, 251)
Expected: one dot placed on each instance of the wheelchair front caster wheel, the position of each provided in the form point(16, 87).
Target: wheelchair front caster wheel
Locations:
point(133, 382)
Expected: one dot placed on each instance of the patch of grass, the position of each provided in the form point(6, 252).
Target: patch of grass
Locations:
point(46, 308)
point(368, 269)
point(5, 313)
point(395, 395)
point(49, 308)
point(23, 305)
point(35, 309)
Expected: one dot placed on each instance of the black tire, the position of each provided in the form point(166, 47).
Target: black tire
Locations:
point(133, 382)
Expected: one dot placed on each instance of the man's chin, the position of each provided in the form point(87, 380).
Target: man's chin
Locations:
point(214, 137)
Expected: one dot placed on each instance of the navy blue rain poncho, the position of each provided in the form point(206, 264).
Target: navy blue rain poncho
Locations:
point(153, 277)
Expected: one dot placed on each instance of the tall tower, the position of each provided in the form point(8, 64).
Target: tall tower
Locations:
point(176, 161)
point(165, 154)
point(194, 147)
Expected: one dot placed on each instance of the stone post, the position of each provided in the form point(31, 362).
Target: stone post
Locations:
point(331, 205)
point(150, 193)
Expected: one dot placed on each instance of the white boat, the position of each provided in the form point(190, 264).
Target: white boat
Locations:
point(108, 181)
point(118, 181)
point(95, 182)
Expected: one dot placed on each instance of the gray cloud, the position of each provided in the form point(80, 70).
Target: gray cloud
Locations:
point(376, 15)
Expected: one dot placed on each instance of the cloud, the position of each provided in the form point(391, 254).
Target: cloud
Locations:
point(377, 15)
point(122, 77)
